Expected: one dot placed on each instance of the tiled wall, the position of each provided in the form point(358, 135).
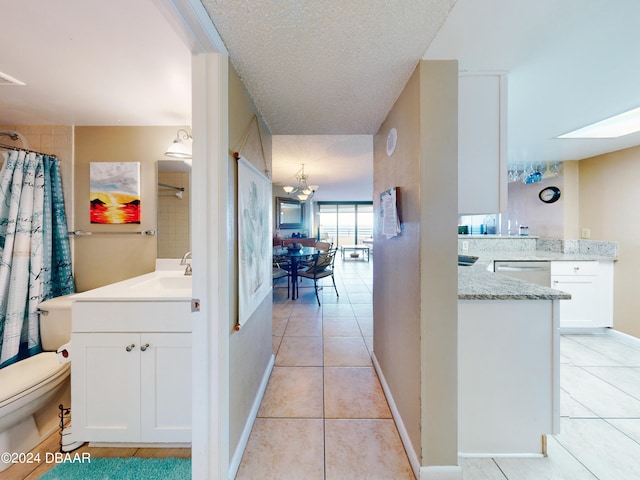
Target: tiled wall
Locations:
point(54, 140)
point(173, 216)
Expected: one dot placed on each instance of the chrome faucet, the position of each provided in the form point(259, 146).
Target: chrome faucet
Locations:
point(187, 270)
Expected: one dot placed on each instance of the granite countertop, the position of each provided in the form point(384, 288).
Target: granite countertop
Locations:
point(477, 283)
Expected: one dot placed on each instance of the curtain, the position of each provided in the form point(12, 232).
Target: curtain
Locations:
point(35, 258)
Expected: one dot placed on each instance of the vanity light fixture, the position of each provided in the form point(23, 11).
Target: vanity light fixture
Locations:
point(612, 127)
point(304, 190)
point(180, 148)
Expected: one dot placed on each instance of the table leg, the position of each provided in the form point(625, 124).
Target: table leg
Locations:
point(294, 277)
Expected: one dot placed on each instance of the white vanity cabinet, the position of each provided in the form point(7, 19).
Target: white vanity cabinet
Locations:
point(131, 372)
point(482, 149)
point(590, 284)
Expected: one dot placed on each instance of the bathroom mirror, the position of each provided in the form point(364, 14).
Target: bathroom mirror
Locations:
point(289, 213)
point(174, 212)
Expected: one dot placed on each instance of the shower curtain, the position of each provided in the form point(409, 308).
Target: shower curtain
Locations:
point(35, 258)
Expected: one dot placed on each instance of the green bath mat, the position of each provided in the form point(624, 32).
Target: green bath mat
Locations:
point(132, 468)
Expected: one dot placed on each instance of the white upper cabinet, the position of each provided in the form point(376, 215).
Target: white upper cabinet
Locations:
point(482, 152)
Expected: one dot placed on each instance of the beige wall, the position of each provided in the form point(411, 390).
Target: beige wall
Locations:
point(103, 259)
point(571, 200)
point(250, 348)
point(415, 281)
point(525, 208)
point(609, 202)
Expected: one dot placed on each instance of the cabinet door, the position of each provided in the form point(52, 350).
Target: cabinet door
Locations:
point(582, 310)
point(482, 165)
point(105, 393)
point(166, 387)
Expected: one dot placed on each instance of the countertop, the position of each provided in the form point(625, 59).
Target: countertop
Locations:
point(136, 289)
point(477, 283)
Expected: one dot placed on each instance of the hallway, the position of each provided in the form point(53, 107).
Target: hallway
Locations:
point(324, 414)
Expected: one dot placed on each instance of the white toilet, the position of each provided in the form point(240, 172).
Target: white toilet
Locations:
point(32, 389)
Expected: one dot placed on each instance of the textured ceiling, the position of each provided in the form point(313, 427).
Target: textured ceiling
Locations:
point(326, 67)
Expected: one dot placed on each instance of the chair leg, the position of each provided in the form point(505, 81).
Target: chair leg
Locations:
point(315, 284)
point(334, 285)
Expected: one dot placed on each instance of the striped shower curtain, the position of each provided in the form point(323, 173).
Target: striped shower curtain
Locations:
point(35, 258)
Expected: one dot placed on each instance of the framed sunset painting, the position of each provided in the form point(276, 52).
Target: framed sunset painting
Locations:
point(114, 192)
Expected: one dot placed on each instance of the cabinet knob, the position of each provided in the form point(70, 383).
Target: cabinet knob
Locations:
point(144, 347)
point(130, 347)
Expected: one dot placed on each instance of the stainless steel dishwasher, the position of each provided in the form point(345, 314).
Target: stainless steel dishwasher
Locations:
point(532, 271)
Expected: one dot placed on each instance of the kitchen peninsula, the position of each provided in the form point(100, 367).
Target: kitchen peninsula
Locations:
point(509, 351)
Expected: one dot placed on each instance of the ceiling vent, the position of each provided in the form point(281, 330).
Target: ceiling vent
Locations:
point(8, 80)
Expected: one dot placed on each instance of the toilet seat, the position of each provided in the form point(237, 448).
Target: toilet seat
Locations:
point(27, 375)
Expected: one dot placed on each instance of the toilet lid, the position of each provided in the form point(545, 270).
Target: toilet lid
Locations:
point(25, 374)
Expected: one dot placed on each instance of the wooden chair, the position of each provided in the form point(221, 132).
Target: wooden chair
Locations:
point(321, 267)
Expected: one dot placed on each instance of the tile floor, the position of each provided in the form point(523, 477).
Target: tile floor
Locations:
point(600, 418)
point(324, 415)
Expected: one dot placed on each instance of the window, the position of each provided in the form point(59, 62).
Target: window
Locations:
point(346, 223)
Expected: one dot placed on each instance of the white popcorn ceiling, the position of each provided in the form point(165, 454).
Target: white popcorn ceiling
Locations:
point(326, 67)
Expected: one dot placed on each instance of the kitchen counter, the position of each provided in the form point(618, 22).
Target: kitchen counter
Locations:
point(509, 330)
point(477, 283)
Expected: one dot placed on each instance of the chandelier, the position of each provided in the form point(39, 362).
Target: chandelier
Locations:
point(303, 189)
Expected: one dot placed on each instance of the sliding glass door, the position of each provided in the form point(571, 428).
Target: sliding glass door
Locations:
point(346, 223)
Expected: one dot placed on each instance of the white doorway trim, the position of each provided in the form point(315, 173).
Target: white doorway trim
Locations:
point(211, 264)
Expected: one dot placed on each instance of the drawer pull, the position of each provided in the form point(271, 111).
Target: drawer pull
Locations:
point(144, 347)
point(130, 347)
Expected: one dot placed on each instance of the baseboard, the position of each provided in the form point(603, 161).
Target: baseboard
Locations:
point(441, 472)
point(624, 337)
point(500, 455)
point(138, 445)
point(414, 460)
point(234, 465)
point(584, 330)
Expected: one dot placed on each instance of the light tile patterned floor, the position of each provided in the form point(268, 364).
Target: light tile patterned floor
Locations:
point(600, 418)
point(324, 415)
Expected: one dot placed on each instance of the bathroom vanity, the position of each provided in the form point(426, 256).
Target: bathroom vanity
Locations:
point(131, 367)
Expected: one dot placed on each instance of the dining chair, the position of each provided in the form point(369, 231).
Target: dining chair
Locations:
point(321, 267)
point(281, 269)
point(324, 246)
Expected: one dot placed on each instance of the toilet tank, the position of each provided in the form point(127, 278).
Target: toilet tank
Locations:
point(55, 322)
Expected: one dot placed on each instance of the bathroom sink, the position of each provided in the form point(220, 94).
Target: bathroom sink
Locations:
point(466, 260)
point(165, 283)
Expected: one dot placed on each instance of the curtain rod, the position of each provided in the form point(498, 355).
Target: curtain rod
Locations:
point(18, 149)
point(170, 186)
point(82, 233)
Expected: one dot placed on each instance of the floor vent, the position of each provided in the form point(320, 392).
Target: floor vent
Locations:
point(8, 80)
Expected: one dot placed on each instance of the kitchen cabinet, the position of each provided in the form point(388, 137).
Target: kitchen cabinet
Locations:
point(590, 284)
point(508, 376)
point(132, 387)
point(482, 136)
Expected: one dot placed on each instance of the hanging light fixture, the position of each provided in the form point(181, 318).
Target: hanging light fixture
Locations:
point(179, 148)
point(303, 189)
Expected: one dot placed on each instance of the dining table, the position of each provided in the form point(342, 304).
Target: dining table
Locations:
point(294, 257)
